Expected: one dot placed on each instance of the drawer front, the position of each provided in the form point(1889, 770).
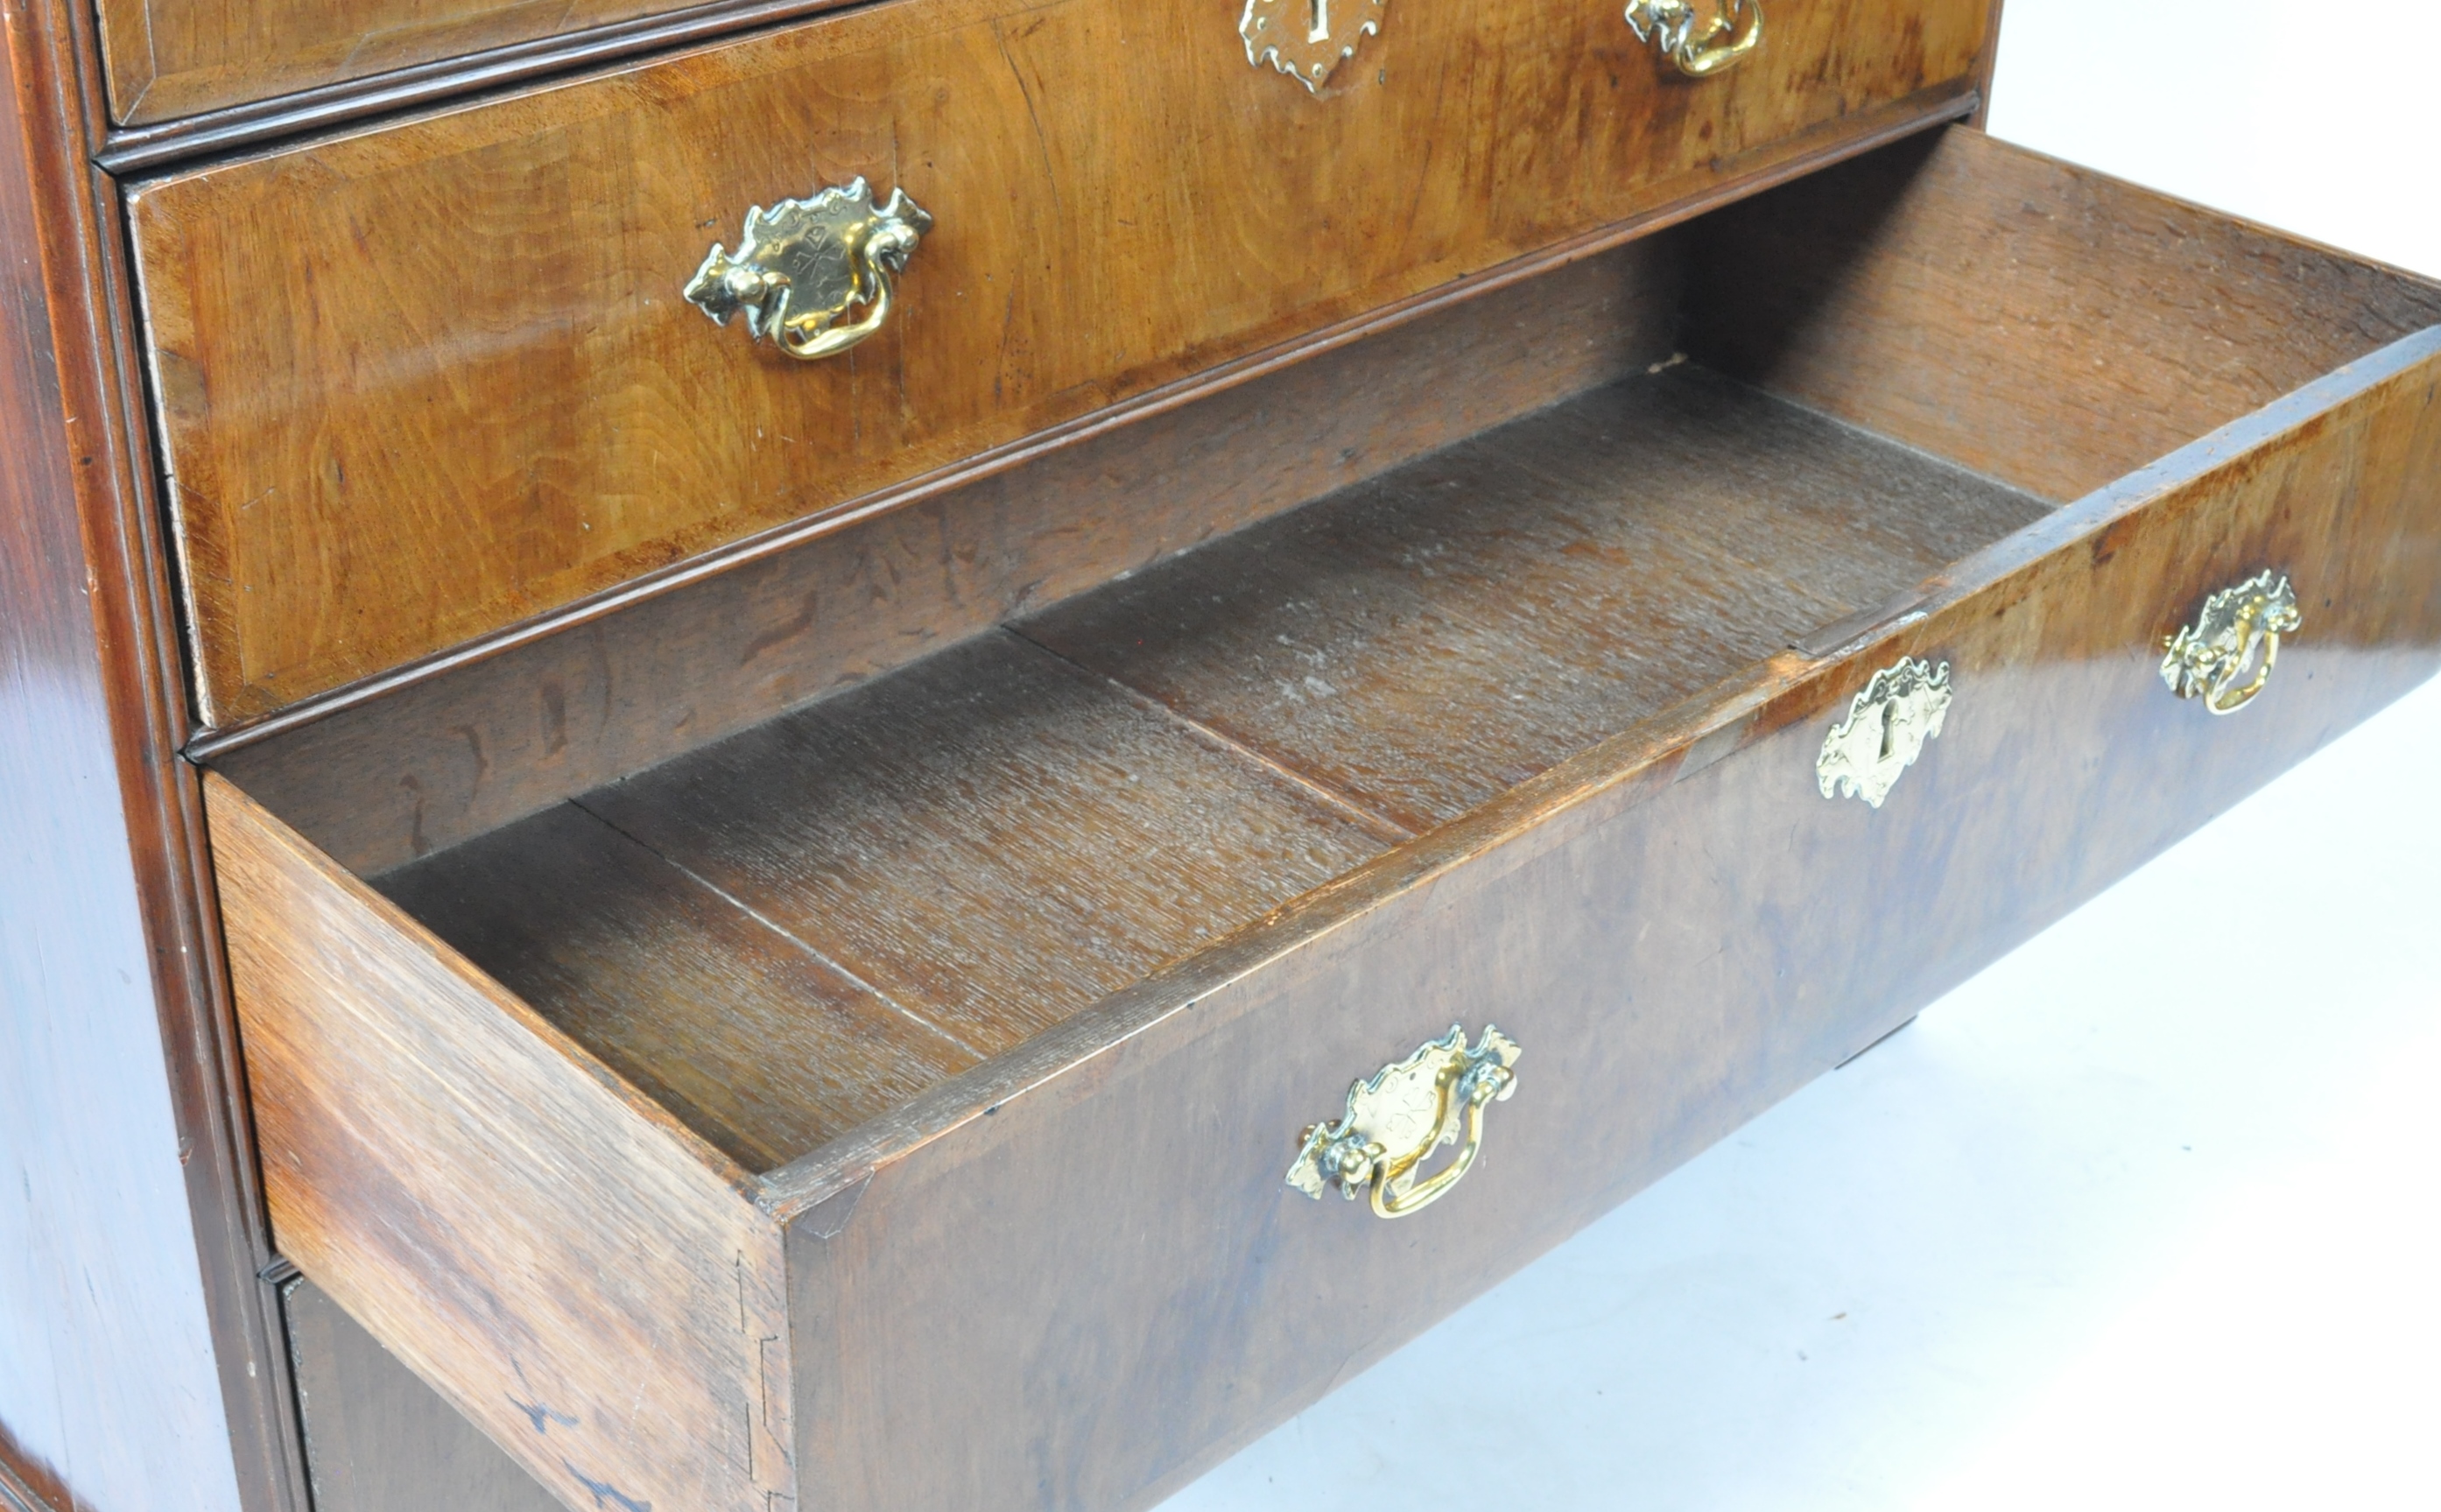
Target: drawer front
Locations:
point(1104, 1282)
point(420, 384)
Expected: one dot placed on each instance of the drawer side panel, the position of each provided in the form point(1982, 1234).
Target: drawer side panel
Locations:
point(571, 1269)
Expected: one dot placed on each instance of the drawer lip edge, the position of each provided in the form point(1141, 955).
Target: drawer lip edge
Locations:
point(1627, 768)
point(2215, 451)
point(137, 147)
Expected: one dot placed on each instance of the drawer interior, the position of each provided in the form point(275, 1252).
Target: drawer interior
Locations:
point(781, 917)
point(790, 931)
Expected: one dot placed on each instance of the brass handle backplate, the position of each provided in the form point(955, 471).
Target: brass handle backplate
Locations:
point(1400, 1114)
point(805, 265)
point(2239, 630)
point(1886, 728)
point(1701, 48)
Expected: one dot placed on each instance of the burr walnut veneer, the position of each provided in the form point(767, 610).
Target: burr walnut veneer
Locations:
point(874, 1087)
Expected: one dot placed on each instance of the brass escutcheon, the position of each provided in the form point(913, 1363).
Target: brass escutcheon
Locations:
point(2206, 659)
point(1307, 39)
point(803, 264)
point(1700, 50)
point(1887, 727)
point(1404, 1112)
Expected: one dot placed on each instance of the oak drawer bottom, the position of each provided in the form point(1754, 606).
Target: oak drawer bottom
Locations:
point(934, 1055)
point(802, 927)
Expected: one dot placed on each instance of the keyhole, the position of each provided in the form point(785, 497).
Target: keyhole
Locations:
point(1889, 730)
point(1320, 28)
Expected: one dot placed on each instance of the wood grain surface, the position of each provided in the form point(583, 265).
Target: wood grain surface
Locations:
point(581, 1275)
point(170, 58)
point(753, 1039)
point(2041, 322)
point(439, 760)
point(1675, 925)
point(386, 438)
point(1177, 921)
point(990, 837)
point(131, 148)
point(1428, 641)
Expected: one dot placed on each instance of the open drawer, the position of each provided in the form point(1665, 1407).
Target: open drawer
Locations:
point(891, 1100)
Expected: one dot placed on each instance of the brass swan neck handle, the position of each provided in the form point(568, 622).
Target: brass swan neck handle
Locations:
point(1700, 48)
point(803, 266)
point(2239, 629)
point(1400, 1114)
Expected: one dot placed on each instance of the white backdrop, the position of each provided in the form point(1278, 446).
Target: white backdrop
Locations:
point(2111, 1226)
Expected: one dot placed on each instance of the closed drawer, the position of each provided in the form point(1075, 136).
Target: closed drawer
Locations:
point(420, 383)
point(165, 60)
point(893, 1105)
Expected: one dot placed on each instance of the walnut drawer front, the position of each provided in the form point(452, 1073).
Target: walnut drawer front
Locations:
point(892, 1106)
point(166, 61)
point(422, 383)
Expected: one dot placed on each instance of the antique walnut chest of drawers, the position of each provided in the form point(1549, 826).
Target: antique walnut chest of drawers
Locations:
point(1429, 604)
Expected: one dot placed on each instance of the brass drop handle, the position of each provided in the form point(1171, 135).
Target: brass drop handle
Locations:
point(1701, 48)
point(2239, 629)
point(804, 264)
point(1400, 1114)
